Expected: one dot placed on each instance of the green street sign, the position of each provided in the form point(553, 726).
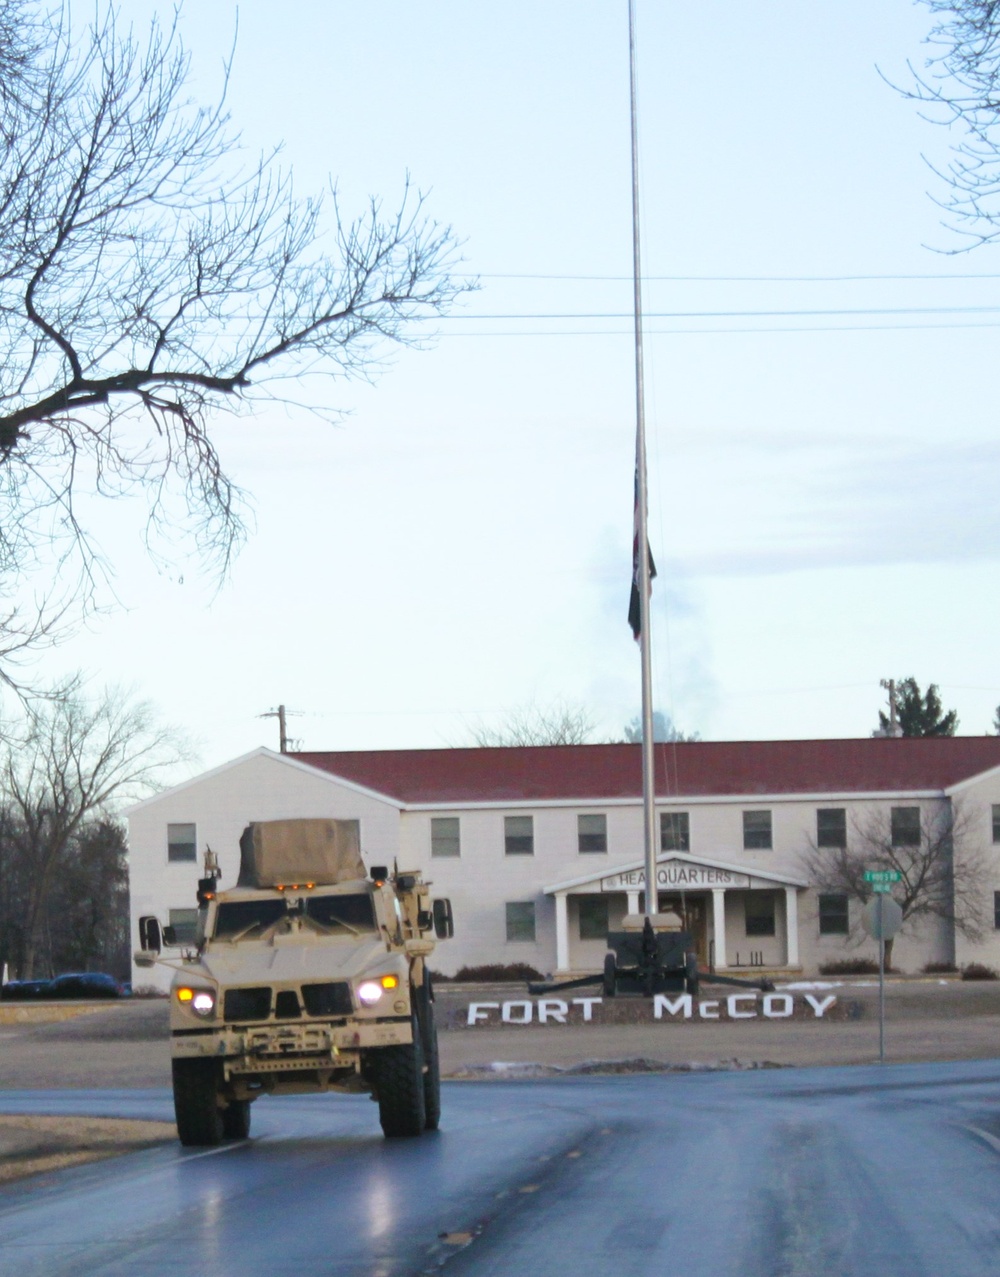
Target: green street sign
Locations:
point(882, 888)
point(882, 875)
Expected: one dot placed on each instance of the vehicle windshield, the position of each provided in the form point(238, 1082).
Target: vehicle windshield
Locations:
point(242, 917)
point(236, 919)
point(354, 912)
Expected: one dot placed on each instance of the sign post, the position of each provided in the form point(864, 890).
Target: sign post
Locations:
point(882, 918)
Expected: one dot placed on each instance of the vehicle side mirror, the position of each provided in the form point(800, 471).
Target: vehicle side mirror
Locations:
point(379, 874)
point(150, 940)
point(444, 923)
point(170, 935)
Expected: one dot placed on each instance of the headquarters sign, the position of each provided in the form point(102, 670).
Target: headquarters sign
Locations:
point(678, 876)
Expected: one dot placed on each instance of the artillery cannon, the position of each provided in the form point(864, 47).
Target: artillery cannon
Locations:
point(651, 954)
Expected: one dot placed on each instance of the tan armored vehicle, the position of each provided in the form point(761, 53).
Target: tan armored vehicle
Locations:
point(309, 975)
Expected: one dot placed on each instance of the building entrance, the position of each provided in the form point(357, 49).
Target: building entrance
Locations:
point(695, 914)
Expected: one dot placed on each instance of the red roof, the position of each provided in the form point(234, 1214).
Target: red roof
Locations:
point(690, 769)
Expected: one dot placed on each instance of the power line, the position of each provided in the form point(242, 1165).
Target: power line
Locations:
point(687, 332)
point(734, 279)
point(732, 314)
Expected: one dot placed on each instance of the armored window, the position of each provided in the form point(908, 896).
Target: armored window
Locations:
point(185, 924)
point(760, 913)
point(593, 914)
point(341, 913)
point(833, 919)
point(445, 840)
point(592, 833)
point(831, 827)
point(520, 920)
point(996, 822)
point(757, 836)
point(518, 836)
point(996, 910)
point(181, 842)
point(905, 826)
point(675, 831)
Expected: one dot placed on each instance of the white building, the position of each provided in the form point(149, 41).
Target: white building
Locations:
point(540, 849)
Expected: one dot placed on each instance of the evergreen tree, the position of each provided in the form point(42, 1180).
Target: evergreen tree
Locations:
point(919, 713)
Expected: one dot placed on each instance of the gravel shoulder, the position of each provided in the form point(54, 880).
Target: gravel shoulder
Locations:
point(125, 1046)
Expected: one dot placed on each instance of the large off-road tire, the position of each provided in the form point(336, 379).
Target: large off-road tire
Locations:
point(196, 1102)
point(610, 972)
point(432, 1059)
point(399, 1082)
point(236, 1120)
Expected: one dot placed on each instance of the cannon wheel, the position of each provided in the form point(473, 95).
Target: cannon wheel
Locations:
point(691, 974)
point(610, 974)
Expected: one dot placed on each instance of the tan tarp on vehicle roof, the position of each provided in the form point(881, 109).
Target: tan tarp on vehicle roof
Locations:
point(282, 852)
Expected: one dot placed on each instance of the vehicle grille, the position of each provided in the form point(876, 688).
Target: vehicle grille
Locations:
point(327, 999)
point(247, 1004)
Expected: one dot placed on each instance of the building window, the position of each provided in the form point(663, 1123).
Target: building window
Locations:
point(905, 826)
point(833, 915)
point(518, 836)
point(593, 917)
point(592, 833)
point(760, 913)
point(996, 822)
point(996, 910)
point(757, 832)
point(831, 827)
point(181, 842)
point(185, 925)
point(445, 840)
point(520, 920)
point(675, 831)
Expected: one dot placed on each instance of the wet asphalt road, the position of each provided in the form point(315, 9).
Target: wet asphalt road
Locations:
point(786, 1172)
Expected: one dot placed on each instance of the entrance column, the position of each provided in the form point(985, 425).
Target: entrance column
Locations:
point(632, 902)
point(562, 932)
point(719, 924)
point(791, 926)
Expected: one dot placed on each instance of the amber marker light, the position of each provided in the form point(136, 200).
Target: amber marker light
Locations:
point(389, 982)
point(185, 995)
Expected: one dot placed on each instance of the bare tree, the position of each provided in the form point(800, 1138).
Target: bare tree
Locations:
point(961, 86)
point(942, 865)
point(150, 279)
point(75, 760)
point(559, 723)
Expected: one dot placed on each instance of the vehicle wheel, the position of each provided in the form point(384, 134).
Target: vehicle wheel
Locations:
point(610, 969)
point(236, 1120)
point(196, 1102)
point(399, 1083)
point(432, 1059)
point(691, 977)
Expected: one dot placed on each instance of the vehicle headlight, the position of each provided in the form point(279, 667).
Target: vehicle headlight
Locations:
point(371, 990)
point(200, 1001)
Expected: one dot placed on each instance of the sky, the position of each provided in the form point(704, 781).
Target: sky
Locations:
point(820, 396)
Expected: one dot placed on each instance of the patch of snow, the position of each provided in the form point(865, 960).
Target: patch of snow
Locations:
point(812, 984)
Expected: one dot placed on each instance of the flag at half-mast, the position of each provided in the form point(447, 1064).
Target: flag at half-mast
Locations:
point(634, 610)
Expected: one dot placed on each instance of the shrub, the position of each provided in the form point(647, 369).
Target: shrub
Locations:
point(850, 966)
point(977, 971)
point(497, 973)
point(940, 968)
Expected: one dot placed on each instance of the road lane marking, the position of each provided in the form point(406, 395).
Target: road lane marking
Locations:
point(992, 1140)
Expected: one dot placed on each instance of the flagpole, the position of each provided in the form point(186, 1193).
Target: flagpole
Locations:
point(648, 775)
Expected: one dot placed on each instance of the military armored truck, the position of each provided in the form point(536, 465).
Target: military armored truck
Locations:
point(309, 975)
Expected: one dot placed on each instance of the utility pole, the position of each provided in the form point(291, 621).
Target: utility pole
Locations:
point(280, 714)
point(890, 686)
